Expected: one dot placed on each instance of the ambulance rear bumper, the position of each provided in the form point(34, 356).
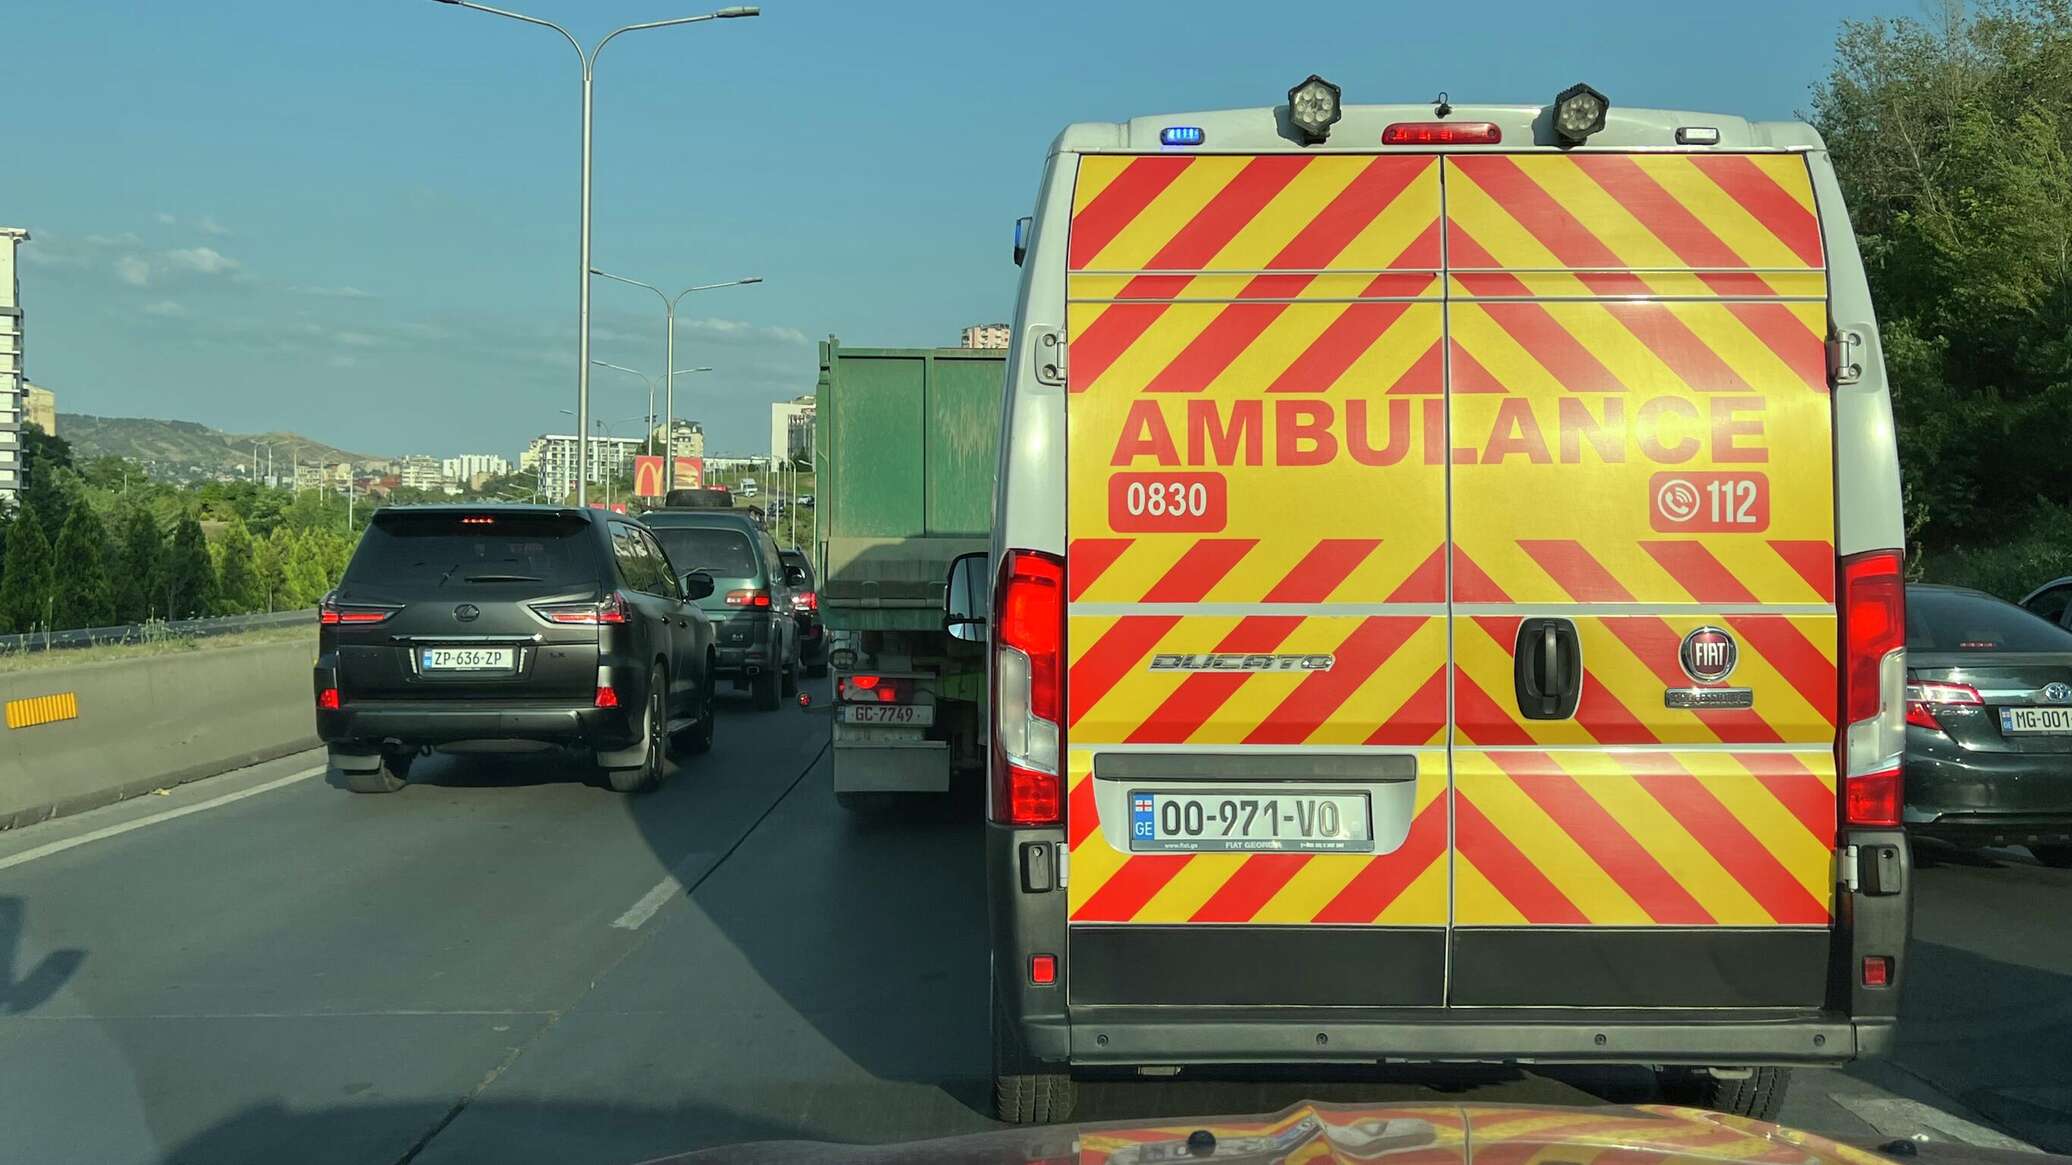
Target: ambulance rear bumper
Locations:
point(1140, 1036)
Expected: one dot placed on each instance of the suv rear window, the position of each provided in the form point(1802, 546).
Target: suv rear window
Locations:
point(1951, 621)
point(450, 550)
point(798, 558)
point(719, 553)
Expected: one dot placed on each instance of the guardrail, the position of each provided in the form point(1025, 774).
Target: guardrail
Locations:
point(163, 629)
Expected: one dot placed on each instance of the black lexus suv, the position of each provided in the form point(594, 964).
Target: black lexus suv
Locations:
point(512, 628)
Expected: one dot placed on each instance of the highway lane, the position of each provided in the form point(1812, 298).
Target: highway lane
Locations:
point(482, 967)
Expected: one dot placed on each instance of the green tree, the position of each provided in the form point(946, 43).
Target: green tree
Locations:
point(237, 578)
point(137, 593)
point(46, 470)
point(81, 593)
point(25, 584)
point(190, 580)
point(269, 568)
point(1949, 138)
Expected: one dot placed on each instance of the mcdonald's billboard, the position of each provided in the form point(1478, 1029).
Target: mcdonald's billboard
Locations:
point(647, 476)
point(690, 473)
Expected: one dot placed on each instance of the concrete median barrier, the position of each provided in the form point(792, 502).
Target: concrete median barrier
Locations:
point(83, 736)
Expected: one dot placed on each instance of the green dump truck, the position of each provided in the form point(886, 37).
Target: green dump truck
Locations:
point(907, 444)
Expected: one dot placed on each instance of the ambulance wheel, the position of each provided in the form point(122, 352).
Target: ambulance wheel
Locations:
point(1023, 1093)
point(1759, 1095)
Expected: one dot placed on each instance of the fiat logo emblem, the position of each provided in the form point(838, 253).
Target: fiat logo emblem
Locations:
point(467, 612)
point(2058, 693)
point(1709, 655)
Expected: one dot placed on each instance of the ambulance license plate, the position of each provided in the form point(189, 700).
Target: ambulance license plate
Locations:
point(1183, 822)
point(2036, 720)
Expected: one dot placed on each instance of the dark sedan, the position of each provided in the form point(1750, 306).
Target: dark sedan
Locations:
point(1989, 724)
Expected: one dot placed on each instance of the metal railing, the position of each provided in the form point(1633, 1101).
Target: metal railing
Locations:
point(159, 629)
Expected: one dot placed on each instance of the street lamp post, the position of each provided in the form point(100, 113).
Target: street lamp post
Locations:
point(669, 357)
point(651, 397)
point(589, 60)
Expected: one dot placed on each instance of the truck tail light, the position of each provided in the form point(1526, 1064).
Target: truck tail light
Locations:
point(867, 689)
point(1442, 133)
point(612, 609)
point(1873, 695)
point(1028, 690)
point(1924, 697)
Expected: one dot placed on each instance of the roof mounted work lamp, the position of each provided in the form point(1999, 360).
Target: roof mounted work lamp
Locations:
point(1313, 109)
point(1578, 113)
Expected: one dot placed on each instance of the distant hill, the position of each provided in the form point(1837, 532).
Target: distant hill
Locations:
point(187, 448)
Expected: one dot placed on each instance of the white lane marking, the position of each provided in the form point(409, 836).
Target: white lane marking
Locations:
point(1897, 1117)
point(649, 902)
point(58, 847)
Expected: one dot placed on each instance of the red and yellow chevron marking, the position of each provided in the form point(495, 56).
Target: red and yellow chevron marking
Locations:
point(1643, 838)
point(1404, 887)
point(1616, 214)
point(1629, 660)
point(1386, 685)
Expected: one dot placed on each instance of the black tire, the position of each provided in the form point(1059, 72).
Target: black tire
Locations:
point(1759, 1095)
point(1024, 1094)
point(655, 727)
point(697, 739)
point(393, 774)
point(2057, 857)
point(764, 690)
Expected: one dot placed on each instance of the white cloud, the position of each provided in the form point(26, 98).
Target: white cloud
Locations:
point(356, 339)
point(125, 239)
point(164, 307)
point(165, 217)
point(206, 260)
point(39, 254)
point(720, 327)
point(343, 361)
point(133, 270)
point(332, 292)
point(209, 226)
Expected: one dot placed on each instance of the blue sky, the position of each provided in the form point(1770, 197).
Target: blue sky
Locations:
point(356, 219)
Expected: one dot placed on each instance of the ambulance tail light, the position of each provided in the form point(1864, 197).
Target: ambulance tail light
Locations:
point(1873, 695)
point(1028, 690)
point(1442, 133)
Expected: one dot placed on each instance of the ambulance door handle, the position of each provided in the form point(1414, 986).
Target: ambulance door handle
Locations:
point(1547, 669)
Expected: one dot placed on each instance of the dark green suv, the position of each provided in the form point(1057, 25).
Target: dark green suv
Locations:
point(753, 625)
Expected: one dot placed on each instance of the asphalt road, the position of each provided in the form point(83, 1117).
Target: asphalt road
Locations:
point(501, 963)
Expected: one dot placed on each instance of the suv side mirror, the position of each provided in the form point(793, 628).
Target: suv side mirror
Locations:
point(697, 585)
point(794, 576)
point(969, 597)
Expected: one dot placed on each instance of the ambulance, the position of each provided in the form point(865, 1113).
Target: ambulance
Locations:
point(1444, 603)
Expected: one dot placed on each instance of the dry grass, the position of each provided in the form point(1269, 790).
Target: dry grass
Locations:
point(21, 661)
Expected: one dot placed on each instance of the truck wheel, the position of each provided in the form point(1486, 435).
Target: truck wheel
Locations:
point(655, 728)
point(1024, 1094)
point(2057, 857)
point(1760, 1095)
point(764, 691)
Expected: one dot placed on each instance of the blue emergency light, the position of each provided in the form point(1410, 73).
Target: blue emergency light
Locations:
point(1181, 135)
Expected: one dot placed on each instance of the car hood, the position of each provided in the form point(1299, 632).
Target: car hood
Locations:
point(1392, 1134)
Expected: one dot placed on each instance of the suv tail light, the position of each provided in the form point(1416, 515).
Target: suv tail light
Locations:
point(1925, 696)
point(748, 597)
point(612, 609)
point(332, 613)
point(1028, 690)
point(1873, 696)
point(805, 601)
